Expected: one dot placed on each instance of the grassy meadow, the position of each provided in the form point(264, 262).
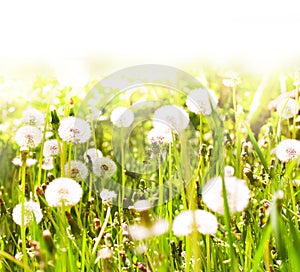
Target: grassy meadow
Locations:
point(153, 180)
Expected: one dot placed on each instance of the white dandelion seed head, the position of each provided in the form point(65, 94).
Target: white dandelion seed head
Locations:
point(160, 227)
point(31, 210)
point(184, 223)
point(288, 150)
point(122, 117)
point(63, 191)
point(105, 253)
point(139, 232)
point(104, 167)
point(201, 101)
point(34, 117)
point(287, 108)
point(238, 194)
point(172, 118)
point(75, 130)
point(29, 161)
point(78, 170)
point(160, 136)
point(48, 163)
point(50, 148)
point(29, 136)
point(107, 195)
point(228, 171)
point(231, 79)
point(92, 154)
point(142, 205)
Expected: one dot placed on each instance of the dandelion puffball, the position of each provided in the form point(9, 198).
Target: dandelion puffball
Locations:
point(288, 150)
point(34, 117)
point(75, 130)
point(31, 209)
point(238, 194)
point(122, 117)
point(50, 148)
point(172, 118)
point(200, 220)
point(107, 195)
point(78, 170)
point(63, 191)
point(201, 101)
point(104, 167)
point(29, 136)
point(91, 154)
point(160, 136)
point(287, 108)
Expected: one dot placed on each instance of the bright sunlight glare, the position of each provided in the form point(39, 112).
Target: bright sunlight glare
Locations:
point(260, 33)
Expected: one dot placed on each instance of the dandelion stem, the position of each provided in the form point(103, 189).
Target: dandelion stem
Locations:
point(170, 203)
point(207, 238)
point(97, 240)
point(295, 112)
point(69, 160)
point(23, 228)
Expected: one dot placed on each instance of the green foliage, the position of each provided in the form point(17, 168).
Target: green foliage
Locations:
point(264, 237)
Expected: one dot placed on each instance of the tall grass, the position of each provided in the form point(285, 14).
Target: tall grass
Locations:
point(264, 237)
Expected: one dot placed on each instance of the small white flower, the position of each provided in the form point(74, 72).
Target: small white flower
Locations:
point(104, 167)
point(73, 129)
point(28, 136)
point(185, 222)
point(34, 117)
point(63, 190)
point(91, 154)
point(160, 136)
point(288, 150)
point(48, 163)
point(122, 117)
point(171, 117)
point(107, 195)
point(287, 108)
point(78, 170)
point(50, 148)
point(29, 161)
point(31, 209)
point(201, 101)
point(238, 194)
